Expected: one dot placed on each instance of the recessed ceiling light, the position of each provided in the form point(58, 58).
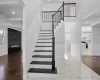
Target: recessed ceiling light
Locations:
point(13, 12)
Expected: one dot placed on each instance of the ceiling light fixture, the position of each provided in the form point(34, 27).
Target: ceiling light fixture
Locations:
point(48, 0)
point(13, 12)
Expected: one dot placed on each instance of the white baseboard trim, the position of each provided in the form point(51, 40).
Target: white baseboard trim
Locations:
point(25, 77)
point(2, 54)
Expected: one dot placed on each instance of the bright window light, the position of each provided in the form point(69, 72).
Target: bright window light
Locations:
point(66, 57)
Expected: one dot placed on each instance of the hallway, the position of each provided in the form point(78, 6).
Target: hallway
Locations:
point(11, 66)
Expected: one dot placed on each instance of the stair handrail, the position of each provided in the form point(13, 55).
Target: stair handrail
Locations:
point(62, 6)
point(53, 37)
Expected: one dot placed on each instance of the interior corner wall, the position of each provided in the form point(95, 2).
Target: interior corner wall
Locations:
point(4, 47)
point(96, 40)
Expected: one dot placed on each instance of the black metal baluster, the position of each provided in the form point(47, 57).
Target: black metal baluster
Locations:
point(63, 11)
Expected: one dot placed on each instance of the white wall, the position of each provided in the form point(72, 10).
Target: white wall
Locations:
point(31, 8)
point(86, 8)
point(29, 31)
point(96, 40)
point(15, 25)
point(46, 26)
point(4, 47)
point(52, 7)
point(29, 38)
point(60, 47)
point(74, 29)
point(31, 25)
point(68, 37)
point(76, 41)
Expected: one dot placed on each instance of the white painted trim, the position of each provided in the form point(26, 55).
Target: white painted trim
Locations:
point(41, 66)
point(2, 54)
point(41, 75)
point(42, 59)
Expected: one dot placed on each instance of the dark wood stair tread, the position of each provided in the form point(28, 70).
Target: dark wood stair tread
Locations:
point(43, 42)
point(45, 39)
point(40, 70)
point(45, 33)
point(45, 30)
point(42, 62)
point(43, 51)
point(43, 46)
point(42, 56)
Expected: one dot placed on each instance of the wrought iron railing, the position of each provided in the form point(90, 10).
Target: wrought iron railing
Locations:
point(47, 16)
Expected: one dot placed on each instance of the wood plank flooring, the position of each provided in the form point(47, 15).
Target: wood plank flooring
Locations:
point(92, 62)
point(11, 66)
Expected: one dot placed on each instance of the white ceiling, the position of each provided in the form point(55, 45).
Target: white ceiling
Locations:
point(9, 6)
point(7, 11)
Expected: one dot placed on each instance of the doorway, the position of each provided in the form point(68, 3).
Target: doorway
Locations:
point(14, 55)
point(14, 40)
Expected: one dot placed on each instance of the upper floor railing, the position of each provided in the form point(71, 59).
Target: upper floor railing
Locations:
point(66, 10)
point(47, 16)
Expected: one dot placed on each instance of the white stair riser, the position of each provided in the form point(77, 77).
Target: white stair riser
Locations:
point(41, 75)
point(46, 40)
point(44, 44)
point(41, 59)
point(41, 66)
point(43, 48)
point(45, 31)
point(45, 34)
point(49, 37)
point(42, 53)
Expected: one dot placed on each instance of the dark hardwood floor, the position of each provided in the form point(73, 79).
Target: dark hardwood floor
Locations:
point(92, 62)
point(11, 66)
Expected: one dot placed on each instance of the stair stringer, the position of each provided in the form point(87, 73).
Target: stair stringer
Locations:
point(59, 25)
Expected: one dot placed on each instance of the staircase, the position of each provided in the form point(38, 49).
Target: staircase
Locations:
point(43, 59)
